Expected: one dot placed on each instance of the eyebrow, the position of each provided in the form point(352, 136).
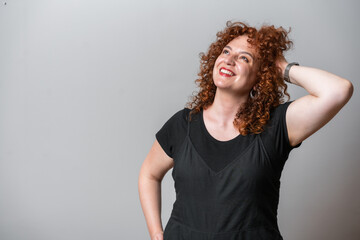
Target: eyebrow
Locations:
point(241, 52)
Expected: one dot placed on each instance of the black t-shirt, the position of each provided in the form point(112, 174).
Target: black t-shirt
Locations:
point(218, 154)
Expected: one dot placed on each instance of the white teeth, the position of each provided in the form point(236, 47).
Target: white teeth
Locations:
point(226, 72)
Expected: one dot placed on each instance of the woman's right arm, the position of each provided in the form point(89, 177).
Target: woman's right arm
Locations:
point(152, 171)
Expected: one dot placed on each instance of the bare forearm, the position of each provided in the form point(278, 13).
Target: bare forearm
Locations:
point(320, 83)
point(150, 198)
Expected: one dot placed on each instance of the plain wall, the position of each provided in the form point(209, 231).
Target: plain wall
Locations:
point(85, 85)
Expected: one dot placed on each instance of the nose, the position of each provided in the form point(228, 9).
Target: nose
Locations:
point(229, 60)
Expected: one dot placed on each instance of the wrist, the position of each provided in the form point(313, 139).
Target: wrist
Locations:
point(157, 235)
point(287, 71)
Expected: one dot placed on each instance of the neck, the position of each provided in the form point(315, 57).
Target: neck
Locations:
point(225, 106)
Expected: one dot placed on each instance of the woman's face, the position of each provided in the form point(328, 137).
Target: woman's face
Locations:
point(235, 68)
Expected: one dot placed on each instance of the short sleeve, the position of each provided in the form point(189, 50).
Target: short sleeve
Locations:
point(275, 137)
point(172, 133)
point(283, 109)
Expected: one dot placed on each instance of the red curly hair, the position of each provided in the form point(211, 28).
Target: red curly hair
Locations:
point(270, 43)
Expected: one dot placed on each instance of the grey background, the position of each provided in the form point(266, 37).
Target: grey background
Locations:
point(85, 85)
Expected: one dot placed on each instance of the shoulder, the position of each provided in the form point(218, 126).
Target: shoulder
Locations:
point(275, 136)
point(173, 131)
point(180, 116)
point(280, 109)
point(277, 114)
point(277, 123)
point(177, 121)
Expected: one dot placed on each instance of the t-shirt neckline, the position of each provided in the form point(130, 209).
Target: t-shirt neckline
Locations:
point(211, 137)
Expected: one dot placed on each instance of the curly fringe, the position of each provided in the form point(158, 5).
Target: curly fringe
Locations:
point(270, 43)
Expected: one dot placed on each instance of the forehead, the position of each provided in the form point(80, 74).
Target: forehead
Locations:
point(240, 43)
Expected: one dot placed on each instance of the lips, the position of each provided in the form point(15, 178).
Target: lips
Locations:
point(226, 72)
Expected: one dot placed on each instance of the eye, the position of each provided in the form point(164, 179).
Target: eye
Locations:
point(243, 57)
point(225, 51)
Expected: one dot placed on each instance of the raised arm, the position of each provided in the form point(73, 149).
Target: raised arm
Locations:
point(328, 93)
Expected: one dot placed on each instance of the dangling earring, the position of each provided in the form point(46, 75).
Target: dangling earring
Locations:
point(252, 93)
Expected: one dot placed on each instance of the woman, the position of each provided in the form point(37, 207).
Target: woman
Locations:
point(228, 148)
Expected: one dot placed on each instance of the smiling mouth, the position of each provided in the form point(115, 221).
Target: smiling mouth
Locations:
point(226, 72)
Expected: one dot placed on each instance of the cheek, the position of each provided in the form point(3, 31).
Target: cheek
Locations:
point(243, 69)
point(217, 61)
